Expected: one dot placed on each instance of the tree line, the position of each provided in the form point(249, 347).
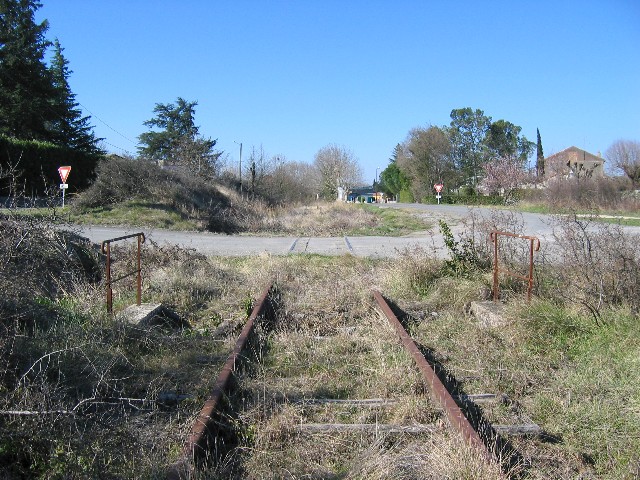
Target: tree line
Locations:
point(174, 141)
point(36, 100)
point(473, 152)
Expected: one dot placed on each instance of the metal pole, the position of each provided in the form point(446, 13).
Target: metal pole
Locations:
point(530, 271)
point(139, 292)
point(240, 165)
point(495, 266)
point(109, 290)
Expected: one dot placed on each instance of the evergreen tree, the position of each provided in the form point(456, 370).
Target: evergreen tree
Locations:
point(539, 157)
point(503, 139)
point(70, 128)
point(179, 141)
point(392, 179)
point(26, 87)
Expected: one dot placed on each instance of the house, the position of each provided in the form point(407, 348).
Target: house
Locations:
point(364, 195)
point(573, 162)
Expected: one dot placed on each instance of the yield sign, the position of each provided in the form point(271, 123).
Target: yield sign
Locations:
point(438, 187)
point(64, 173)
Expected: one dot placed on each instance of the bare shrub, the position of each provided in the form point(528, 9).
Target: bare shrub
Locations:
point(217, 208)
point(475, 247)
point(599, 265)
point(585, 193)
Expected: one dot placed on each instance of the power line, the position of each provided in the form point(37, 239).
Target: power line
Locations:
point(115, 146)
point(109, 126)
point(55, 112)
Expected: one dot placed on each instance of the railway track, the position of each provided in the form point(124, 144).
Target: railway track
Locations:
point(327, 395)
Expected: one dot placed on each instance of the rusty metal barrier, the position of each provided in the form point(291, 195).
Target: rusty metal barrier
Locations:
point(106, 249)
point(438, 391)
point(497, 270)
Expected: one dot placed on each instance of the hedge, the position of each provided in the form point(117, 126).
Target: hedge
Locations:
point(37, 165)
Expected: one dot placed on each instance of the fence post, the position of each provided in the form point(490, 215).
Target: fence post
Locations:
point(493, 236)
point(106, 249)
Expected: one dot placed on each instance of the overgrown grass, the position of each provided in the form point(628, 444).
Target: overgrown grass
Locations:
point(136, 213)
point(391, 222)
point(132, 213)
point(573, 374)
point(594, 391)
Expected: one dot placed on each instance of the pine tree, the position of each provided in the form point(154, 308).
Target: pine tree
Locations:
point(179, 142)
point(26, 87)
point(70, 128)
point(539, 157)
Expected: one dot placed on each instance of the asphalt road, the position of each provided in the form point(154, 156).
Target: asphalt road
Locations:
point(538, 225)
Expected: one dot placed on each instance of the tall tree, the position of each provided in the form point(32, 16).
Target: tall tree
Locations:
point(539, 157)
point(70, 128)
point(427, 160)
point(339, 171)
point(178, 141)
point(625, 156)
point(467, 132)
point(503, 139)
point(392, 179)
point(26, 87)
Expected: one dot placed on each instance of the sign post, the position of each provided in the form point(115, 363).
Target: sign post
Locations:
point(64, 174)
point(438, 187)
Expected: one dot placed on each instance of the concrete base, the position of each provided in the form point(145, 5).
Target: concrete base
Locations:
point(151, 315)
point(488, 313)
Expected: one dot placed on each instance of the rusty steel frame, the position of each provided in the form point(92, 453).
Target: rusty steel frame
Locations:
point(203, 426)
point(106, 249)
point(493, 236)
point(439, 392)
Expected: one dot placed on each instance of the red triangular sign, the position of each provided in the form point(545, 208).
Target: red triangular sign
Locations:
point(64, 173)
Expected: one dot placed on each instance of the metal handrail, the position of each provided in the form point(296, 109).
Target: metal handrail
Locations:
point(496, 269)
point(106, 249)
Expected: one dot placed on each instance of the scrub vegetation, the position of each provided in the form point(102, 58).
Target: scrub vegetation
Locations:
point(87, 395)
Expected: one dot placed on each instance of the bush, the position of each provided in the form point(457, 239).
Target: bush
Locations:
point(586, 194)
point(217, 208)
point(599, 266)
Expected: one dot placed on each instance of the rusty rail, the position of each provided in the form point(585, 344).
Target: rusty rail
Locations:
point(204, 426)
point(493, 236)
point(438, 391)
point(106, 249)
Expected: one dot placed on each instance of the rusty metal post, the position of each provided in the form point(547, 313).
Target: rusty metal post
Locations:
point(139, 279)
point(493, 236)
point(530, 289)
point(106, 249)
point(494, 239)
point(109, 289)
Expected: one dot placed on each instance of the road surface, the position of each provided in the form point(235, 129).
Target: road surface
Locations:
point(374, 247)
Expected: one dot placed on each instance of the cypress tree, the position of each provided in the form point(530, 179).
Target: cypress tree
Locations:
point(539, 157)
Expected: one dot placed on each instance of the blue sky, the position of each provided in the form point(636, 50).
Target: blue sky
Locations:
point(295, 76)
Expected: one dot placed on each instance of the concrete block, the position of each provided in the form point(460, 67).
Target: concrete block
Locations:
point(489, 314)
point(151, 315)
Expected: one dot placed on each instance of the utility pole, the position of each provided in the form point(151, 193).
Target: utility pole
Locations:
point(240, 165)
